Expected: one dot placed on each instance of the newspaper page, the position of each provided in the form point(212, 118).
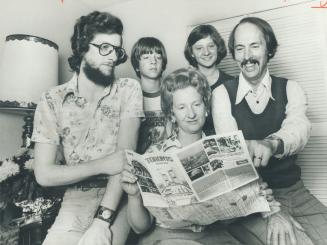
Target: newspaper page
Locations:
point(162, 180)
point(209, 180)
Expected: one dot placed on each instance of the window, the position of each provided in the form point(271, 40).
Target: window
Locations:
point(301, 56)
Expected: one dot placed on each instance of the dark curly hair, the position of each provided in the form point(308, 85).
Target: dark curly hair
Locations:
point(179, 79)
point(200, 32)
point(264, 27)
point(146, 45)
point(86, 28)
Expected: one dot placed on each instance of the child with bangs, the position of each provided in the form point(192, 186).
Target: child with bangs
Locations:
point(149, 61)
point(204, 50)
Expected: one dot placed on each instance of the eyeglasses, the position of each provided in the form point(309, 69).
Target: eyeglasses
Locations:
point(107, 48)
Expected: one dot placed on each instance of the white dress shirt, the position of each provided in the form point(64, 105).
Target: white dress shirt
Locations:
point(295, 128)
point(257, 99)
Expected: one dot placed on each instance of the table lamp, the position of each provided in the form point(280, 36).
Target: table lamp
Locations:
point(29, 66)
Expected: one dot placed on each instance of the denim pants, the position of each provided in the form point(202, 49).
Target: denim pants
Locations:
point(76, 215)
point(215, 234)
point(298, 202)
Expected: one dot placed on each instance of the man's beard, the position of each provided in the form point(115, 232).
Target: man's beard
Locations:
point(96, 76)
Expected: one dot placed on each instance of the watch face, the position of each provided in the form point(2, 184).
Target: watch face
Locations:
point(106, 214)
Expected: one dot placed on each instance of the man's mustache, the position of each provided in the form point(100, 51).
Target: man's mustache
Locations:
point(250, 61)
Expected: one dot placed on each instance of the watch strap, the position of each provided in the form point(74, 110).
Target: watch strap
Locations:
point(279, 144)
point(280, 147)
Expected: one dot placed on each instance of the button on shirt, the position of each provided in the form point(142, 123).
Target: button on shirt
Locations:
point(257, 99)
point(295, 128)
point(86, 131)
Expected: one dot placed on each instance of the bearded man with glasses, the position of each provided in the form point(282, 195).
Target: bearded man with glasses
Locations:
point(90, 120)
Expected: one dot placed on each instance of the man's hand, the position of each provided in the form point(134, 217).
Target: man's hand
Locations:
point(281, 229)
point(128, 181)
point(113, 164)
point(266, 191)
point(97, 234)
point(261, 151)
point(268, 194)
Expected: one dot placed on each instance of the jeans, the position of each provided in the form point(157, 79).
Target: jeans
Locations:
point(215, 234)
point(299, 203)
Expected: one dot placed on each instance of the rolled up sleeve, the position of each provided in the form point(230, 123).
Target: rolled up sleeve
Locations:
point(45, 122)
point(132, 102)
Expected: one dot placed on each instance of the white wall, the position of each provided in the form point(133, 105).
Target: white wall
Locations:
point(168, 21)
point(164, 19)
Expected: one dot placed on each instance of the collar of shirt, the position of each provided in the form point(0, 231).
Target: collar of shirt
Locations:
point(244, 88)
point(173, 142)
point(72, 89)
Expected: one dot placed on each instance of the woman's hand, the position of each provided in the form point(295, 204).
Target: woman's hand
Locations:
point(128, 180)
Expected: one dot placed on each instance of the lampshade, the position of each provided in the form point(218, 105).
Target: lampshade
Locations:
point(29, 66)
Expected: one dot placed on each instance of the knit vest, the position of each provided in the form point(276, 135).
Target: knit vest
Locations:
point(278, 173)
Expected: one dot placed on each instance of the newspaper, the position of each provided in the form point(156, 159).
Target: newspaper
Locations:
point(209, 180)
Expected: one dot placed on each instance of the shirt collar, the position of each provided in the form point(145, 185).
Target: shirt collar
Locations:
point(172, 141)
point(72, 88)
point(244, 87)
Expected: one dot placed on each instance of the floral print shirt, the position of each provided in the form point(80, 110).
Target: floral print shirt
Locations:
point(170, 144)
point(86, 131)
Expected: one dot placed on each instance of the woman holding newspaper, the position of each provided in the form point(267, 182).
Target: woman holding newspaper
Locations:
point(185, 96)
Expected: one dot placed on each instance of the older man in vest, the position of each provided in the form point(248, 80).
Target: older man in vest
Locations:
point(271, 112)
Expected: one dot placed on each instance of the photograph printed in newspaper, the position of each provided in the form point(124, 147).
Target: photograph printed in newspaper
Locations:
point(209, 180)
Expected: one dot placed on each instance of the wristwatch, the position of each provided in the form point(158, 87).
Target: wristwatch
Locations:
point(279, 146)
point(105, 214)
